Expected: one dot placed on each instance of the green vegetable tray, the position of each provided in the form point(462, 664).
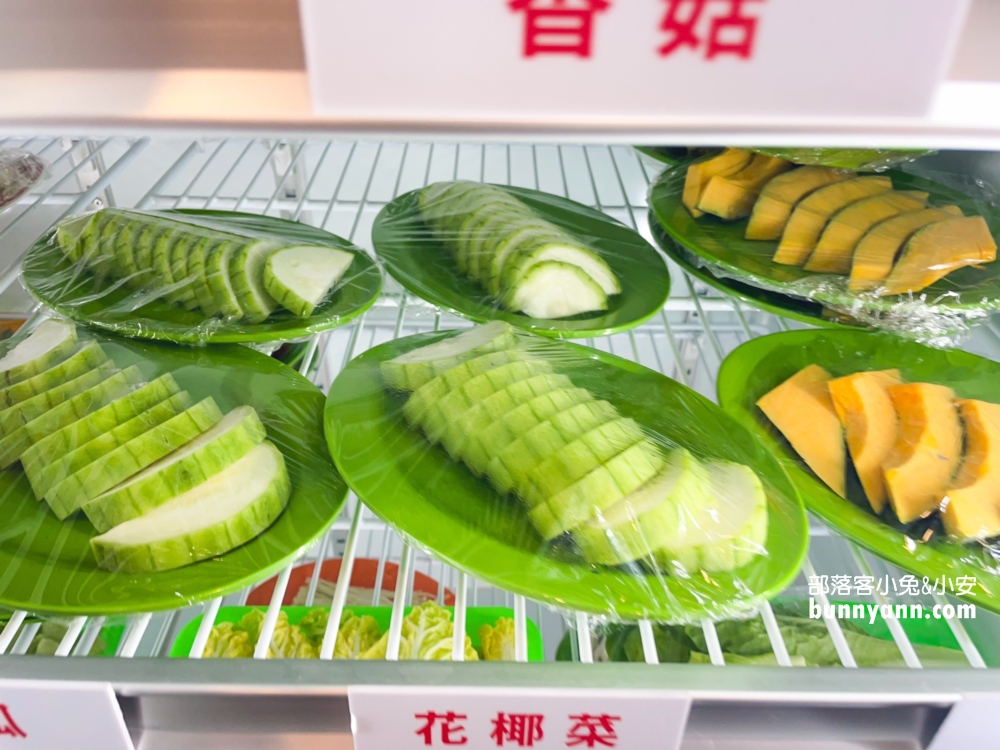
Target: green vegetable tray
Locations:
point(475, 618)
point(58, 282)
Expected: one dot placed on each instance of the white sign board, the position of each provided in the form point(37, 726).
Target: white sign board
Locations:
point(42, 715)
point(416, 718)
point(634, 61)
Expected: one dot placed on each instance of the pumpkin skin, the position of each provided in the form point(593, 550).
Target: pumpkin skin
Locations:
point(802, 410)
point(971, 506)
point(927, 450)
point(865, 410)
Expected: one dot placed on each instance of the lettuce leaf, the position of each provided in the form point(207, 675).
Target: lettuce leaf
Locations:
point(427, 634)
point(496, 642)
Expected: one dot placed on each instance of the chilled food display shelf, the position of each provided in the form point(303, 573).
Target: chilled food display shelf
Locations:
point(341, 186)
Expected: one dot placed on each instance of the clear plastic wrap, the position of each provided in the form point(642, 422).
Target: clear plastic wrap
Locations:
point(535, 260)
point(19, 172)
point(868, 159)
point(200, 276)
point(565, 474)
point(919, 447)
point(894, 251)
point(139, 476)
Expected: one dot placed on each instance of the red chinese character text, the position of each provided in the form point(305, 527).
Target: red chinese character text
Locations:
point(558, 26)
point(592, 730)
point(7, 724)
point(522, 730)
point(729, 31)
point(451, 730)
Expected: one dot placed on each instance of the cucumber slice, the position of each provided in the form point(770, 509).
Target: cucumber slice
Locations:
point(103, 259)
point(476, 198)
point(208, 454)
point(67, 439)
point(162, 255)
point(462, 439)
point(436, 200)
point(115, 386)
point(218, 515)
point(410, 371)
point(562, 251)
point(86, 358)
point(67, 496)
point(20, 414)
point(125, 249)
point(451, 380)
point(72, 462)
point(598, 490)
point(48, 345)
point(555, 290)
point(670, 507)
point(491, 439)
point(246, 271)
point(483, 244)
point(219, 284)
point(510, 464)
point(197, 268)
point(70, 235)
point(512, 243)
point(436, 419)
point(90, 241)
point(723, 535)
point(182, 246)
point(580, 457)
point(300, 277)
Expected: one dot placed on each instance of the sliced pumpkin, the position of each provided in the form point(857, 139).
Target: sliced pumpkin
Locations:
point(730, 161)
point(971, 506)
point(732, 197)
point(779, 196)
point(877, 250)
point(937, 250)
point(802, 410)
point(927, 449)
point(835, 248)
point(865, 410)
point(810, 216)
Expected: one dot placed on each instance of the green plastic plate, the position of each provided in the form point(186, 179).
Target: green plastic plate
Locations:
point(778, 304)
point(722, 245)
point(666, 154)
point(761, 364)
point(475, 618)
point(57, 282)
point(440, 505)
point(46, 565)
point(423, 266)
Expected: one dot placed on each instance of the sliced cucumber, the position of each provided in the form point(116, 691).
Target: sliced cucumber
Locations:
point(67, 439)
point(409, 371)
point(510, 244)
point(510, 464)
point(163, 267)
point(598, 490)
point(300, 277)
point(67, 496)
point(663, 510)
point(103, 260)
point(125, 247)
point(115, 386)
point(86, 358)
point(90, 241)
point(481, 247)
point(218, 515)
point(436, 201)
point(70, 234)
point(471, 228)
point(208, 454)
point(246, 271)
point(570, 252)
point(181, 247)
point(197, 268)
point(555, 290)
point(20, 414)
point(722, 535)
point(48, 345)
point(219, 283)
point(72, 462)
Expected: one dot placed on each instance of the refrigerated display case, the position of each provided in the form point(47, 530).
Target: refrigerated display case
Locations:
point(267, 158)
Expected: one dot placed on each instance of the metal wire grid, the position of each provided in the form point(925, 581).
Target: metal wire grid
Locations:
point(340, 186)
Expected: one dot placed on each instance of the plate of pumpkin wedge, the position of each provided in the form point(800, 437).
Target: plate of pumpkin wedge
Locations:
point(894, 444)
point(881, 244)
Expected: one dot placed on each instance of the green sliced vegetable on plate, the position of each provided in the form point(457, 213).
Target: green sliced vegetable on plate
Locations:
point(141, 262)
point(758, 366)
point(524, 250)
point(227, 476)
point(440, 504)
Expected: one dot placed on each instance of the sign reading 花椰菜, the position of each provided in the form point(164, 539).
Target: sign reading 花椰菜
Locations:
point(401, 718)
point(632, 62)
point(46, 714)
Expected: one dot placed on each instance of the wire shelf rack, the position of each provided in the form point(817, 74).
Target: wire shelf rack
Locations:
point(340, 186)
